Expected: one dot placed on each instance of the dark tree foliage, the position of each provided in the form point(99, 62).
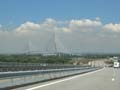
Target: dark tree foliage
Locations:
point(35, 59)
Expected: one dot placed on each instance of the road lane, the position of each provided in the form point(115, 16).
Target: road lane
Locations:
point(101, 80)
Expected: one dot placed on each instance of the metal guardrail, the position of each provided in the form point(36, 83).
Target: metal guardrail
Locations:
point(10, 79)
point(14, 66)
point(24, 73)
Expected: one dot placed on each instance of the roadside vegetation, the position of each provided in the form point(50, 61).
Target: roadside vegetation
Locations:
point(64, 59)
point(35, 59)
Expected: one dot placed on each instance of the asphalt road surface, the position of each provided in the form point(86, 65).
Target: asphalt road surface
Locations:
point(104, 79)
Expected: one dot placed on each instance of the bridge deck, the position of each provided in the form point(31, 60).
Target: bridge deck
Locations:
point(98, 80)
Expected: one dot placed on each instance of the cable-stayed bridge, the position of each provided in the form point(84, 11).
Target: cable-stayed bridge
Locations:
point(54, 46)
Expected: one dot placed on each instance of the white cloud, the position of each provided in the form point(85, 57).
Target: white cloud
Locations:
point(66, 29)
point(27, 27)
point(81, 25)
point(98, 18)
point(112, 27)
point(84, 25)
point(50, 24)
point(0, 26)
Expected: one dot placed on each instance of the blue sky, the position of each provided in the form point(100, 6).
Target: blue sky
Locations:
point(18, 11)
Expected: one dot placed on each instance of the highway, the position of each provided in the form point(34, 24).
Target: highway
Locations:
point(103, 79)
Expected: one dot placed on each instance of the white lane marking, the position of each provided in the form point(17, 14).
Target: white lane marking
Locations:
point(113, 79)
point(66, 79)
point(114, 74)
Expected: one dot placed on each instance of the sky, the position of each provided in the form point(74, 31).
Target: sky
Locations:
point(85, 26)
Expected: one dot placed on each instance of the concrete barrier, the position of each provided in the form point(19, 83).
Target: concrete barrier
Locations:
point(11, 79)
